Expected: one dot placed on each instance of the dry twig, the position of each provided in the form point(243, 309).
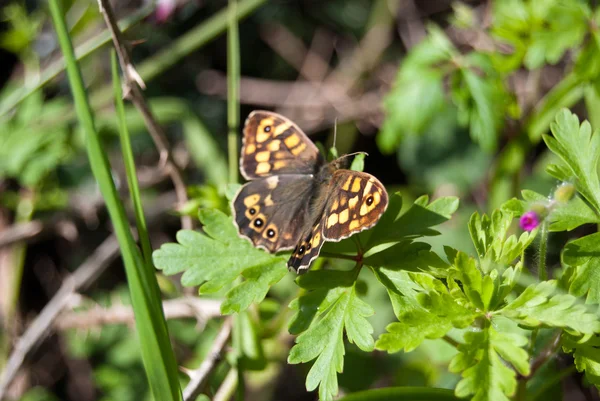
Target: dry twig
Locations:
point(133, 91)
point(199, 376)
point(201, 309)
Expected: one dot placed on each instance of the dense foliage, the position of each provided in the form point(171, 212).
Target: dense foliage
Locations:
point(485, 289)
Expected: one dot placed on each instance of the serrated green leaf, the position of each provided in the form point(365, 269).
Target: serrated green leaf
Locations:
point(424, 309)
point(584, 255)
point(489, 237)
point(542, 304)
point(323, 340)
point(485, 376)
point(414, 327)
point(405, 255)
point(416, 221)
point(579, 149)
point(216, 258)
point(587, 357)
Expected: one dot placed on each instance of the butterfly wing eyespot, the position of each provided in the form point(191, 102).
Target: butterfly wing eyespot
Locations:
point(260, 216)
point(274, 145)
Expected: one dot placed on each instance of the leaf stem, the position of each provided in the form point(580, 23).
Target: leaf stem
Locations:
point(542, 271)
point(451, 341)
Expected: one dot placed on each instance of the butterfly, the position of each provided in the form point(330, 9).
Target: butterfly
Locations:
point(295, 199)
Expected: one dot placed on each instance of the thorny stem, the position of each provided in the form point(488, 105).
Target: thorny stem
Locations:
point(133, 91)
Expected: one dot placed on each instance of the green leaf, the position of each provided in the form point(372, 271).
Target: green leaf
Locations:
point(418, 93)
point(489, 237)
point(415, 222)
point(216, 258)
point(587, 357)
point(30, 147)
point(424, 308)
point(579, 149)
point(484, 105)
point(358, 163)
point(542, 304)
point(332, 309)
point(584, 255)
point(405, 255)
point(485, 376)
point(414, 327)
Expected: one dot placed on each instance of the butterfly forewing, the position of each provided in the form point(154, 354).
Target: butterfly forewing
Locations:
point(274, 145)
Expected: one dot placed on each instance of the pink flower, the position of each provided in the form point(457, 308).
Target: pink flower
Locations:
point(164, 10)
point(529, 221)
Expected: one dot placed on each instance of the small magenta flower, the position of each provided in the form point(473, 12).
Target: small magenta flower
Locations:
point(529, 221)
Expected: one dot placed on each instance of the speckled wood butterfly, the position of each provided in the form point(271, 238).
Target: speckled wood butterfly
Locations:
point(295, 199)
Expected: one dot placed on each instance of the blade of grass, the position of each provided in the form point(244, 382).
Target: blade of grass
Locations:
point(233, 122)
point(157, 355)
point(134, 188)
point(233, 89)
point(85, 49)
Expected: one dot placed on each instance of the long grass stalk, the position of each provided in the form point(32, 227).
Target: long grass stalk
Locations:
point(157, 355)
point(130, 170)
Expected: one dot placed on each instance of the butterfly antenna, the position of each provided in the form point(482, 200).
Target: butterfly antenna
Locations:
point(355, 153)
point(334, 131)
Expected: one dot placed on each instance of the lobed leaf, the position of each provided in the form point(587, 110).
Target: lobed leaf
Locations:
point(541, 304)
point(485, 375)
point(579, 149)
point(334, 309)
point(584, 255)
point(217, 257)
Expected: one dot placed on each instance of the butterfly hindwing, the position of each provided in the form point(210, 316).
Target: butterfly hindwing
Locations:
point(307, 249)
point(274, 145)
point(355, 202)
point(271, 211)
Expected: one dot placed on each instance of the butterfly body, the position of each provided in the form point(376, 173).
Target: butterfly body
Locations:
point(295, 199)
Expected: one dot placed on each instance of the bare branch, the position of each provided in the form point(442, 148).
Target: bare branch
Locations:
point(201, 309)
point(133, 91)
point(199, 376)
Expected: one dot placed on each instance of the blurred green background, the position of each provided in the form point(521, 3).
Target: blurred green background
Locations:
point(447, 98)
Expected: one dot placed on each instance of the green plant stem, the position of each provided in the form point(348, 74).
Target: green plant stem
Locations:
point(233, 122)
point(129, 161)
point(542, 271)
point(157, 355)
point(24, 213)
point(228, 386)
point(551, 381)
point(233, 89)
